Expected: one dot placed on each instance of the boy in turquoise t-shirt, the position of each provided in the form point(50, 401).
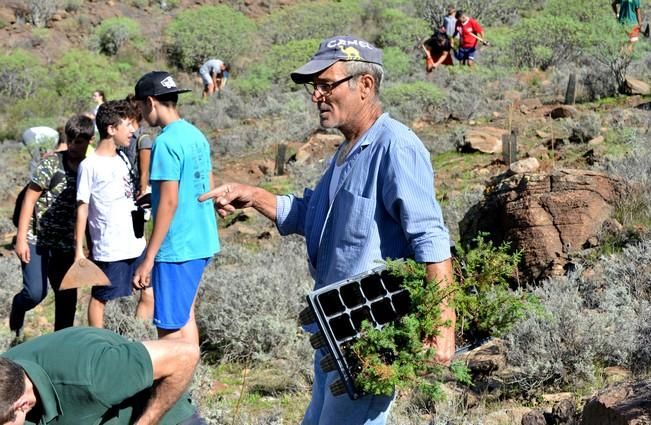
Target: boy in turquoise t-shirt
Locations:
point(184, 237)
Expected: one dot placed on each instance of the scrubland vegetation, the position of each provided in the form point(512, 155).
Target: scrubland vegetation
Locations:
point(561, 332)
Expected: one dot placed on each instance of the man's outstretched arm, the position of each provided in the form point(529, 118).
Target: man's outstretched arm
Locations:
point(173, 365)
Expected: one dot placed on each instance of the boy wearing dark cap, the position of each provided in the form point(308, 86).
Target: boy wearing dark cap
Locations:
point(184, 237)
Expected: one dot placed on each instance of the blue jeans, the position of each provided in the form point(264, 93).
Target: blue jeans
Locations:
point(45, 264)
point(326, 409)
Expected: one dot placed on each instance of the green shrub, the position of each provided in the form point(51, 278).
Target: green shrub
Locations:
point(545, 40)
point(408, 101)
point(72, 6)
point(393, 357)
point(485, 304)
point(317, 20)
point(78, 73)
point(206, 32)
point(113, 33)
point(43, 107)
point(399, 30)
point(255, 81)
point(275, 67)
point(39, 12)
point(21, 74)
point(396, 63)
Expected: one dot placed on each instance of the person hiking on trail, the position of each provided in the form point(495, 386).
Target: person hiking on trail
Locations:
point(45, 241)
point(105, 201)
point(375, 201)
point(438, 51)
point(184, 238)
point(450, 22)
point(214, 74)
point(630, 16)
point(470, 33)
point(81, 376)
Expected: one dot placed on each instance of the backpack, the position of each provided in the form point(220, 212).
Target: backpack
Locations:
point(18, 206)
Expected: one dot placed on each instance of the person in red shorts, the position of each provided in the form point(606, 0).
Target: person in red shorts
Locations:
point(437, 51)
point(470, 33)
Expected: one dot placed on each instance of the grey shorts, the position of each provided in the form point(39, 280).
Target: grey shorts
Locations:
point(205, 77)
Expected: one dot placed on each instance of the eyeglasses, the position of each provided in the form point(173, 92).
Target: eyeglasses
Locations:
point(324, 89)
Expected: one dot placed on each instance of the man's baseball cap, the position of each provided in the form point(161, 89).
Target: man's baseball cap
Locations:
point(156, 83)
point(337, 48)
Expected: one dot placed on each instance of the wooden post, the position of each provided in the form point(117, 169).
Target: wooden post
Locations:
point(570, 92)
point(510, 147)
point(280, 159)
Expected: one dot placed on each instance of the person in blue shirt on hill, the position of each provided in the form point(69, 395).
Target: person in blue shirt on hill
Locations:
point(184, 237)
point(376, 200)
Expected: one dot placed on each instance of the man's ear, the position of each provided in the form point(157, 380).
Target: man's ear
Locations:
point(367, 85)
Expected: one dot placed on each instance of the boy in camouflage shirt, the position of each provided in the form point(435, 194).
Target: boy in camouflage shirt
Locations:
point(45, 240)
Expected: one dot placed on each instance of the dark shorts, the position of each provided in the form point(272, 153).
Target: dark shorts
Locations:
point(120, 273)
point(464, 53)
point(175, 286)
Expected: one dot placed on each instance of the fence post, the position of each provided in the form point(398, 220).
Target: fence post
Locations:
point(510, 147)
point(570, 92)
point(280, 159)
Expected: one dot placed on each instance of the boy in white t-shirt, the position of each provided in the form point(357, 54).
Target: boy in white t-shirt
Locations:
point(105, 200)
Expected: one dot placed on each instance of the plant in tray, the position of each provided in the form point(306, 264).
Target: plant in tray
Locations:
point(395, 356)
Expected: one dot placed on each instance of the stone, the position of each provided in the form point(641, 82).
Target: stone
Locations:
point(543, 135)
point(637, 87)
point(316, 144)
point(511, 415)
point(596, 141)
point(527, 165)
point(624, 404)
point(534, 417)
point(484, 139)
point(564, 111)
point(549, 217)
point(563, 411)
point(616, 374)
point(556, 397)
point(487, 358)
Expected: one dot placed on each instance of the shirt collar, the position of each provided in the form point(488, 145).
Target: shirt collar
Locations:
point(47, 395)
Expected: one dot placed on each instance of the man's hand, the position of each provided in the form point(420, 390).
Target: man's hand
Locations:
point(22, 250)
point(233, 196)
point(142, 275)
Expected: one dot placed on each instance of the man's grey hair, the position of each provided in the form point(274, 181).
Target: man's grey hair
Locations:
point(374, 70)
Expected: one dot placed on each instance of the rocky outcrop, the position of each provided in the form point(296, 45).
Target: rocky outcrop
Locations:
point(316, 145)
point(546, 216)
point(564, 111)
point(626, 404)
point(484, 139)
point(635, 86)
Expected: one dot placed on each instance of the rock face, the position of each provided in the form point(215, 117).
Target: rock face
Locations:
point(564, 111)
point(484, 139)
point(547, 216)
point(316, 145)
point(627, 404)
point(634, 86)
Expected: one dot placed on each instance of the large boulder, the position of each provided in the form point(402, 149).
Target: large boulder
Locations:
point(626, 404)
point(546, 216)
point(484, 139)
point(635, 86)
point(317, 147)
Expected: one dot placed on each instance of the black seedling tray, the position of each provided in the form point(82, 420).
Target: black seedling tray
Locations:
point(339, 310)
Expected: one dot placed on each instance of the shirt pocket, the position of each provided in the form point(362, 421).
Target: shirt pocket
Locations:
point(352, 220)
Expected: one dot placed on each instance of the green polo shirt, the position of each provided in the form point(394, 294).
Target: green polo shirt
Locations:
point(628, 11)
point(90, 376)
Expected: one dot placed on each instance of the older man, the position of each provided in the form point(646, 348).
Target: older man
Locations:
point(83, 376)
point(376, 200)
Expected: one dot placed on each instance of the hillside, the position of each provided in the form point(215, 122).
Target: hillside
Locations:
point(574, 212)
